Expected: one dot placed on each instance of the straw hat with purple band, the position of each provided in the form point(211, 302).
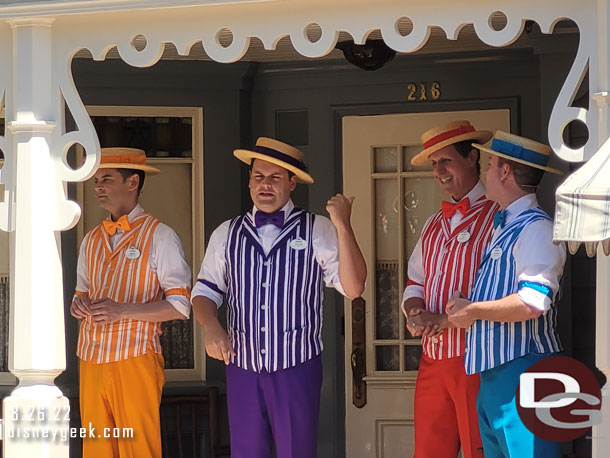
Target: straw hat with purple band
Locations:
point(278, 153)
point(126, 158)
point(448, 134)
point(520, 149)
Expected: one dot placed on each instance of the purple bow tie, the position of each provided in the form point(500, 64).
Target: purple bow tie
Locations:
point(262, 218)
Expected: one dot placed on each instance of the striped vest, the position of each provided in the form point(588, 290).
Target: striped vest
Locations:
point(492, 343)
point(112, 274)
point(274, 314)
point(450, 264)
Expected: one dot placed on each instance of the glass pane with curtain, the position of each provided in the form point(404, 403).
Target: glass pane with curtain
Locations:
point(4, 299)
point(385, 159)
point(408, 153)
point(387, 358)
point(412, 356)
point(387, 259)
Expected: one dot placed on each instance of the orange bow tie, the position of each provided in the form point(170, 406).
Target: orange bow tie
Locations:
point(110, 226)
point(450, 208)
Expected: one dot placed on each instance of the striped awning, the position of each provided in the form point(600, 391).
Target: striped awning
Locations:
point(582, 214)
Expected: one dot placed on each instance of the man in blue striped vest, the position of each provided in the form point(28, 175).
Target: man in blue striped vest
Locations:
point(271, 264)
point(511, 315)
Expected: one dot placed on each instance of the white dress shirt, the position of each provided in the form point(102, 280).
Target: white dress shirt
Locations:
point(213, 267)
point(166, 260)
point(537, 258)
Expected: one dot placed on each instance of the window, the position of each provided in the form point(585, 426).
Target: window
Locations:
point(172, 139)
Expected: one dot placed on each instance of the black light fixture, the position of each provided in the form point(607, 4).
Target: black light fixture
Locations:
point(372, 55)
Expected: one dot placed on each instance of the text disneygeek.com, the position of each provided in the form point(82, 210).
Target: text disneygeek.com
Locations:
point(52, 425)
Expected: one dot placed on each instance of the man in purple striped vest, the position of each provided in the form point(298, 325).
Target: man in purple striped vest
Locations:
point(271, 264)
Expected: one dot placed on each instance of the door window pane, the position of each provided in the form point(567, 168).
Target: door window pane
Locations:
point(388, 358)
point(385, 158)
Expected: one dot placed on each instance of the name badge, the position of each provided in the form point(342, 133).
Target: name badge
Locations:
point(132, 253)
point(463, 236)
point(298, 244)
point(496, 253)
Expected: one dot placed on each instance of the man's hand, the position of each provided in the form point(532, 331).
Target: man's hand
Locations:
point(460, 312)
point(107, 311)
point(424, 323)
point(81, 307)
point(339, 208)
point(217, 342)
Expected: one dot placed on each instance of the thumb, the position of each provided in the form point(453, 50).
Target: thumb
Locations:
point(351, 199)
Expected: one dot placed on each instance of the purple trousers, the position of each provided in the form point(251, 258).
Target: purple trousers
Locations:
point(278, 408)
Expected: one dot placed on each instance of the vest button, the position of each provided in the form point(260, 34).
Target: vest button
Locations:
point(264, 307)
point(264, 284)
point(263, 329)
point(263, 351)
point(266, 263)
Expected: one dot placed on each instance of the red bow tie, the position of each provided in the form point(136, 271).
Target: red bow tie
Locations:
point(122, 223)
point(450, 208)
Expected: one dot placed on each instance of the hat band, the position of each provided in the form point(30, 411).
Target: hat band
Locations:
point(447, 135)
point(519, 152)
point(280, 156)
point(124, 159)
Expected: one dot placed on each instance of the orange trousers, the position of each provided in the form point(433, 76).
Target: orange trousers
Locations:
point(446, 410)
point(123, 394)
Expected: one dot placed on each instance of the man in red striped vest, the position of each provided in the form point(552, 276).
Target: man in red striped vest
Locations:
point(445, 261)
point(131, 276)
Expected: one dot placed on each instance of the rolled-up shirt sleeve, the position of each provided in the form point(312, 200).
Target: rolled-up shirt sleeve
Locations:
point(211, 280)
point(168, 261)
point(416, 275)
point(539, 265)
point(326, 250)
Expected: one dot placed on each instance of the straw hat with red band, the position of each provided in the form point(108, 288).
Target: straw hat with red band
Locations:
point(520, 149)
point(448, 134)
point(278, 153)
point(126, 158)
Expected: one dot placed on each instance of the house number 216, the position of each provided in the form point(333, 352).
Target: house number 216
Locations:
point(424, 91)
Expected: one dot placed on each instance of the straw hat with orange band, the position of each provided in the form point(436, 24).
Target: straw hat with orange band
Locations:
point(126, 158)
point(448, 134)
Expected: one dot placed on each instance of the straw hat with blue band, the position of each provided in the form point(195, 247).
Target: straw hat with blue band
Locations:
point(278, 153)
point(520, 149)
point(452, 132)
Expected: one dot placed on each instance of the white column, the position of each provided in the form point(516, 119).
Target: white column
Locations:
point(37, 339)
point(601, 433)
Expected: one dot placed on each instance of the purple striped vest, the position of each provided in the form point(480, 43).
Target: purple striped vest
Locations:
point(274, 315)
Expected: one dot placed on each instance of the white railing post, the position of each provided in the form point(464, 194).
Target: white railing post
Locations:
point(36, 407)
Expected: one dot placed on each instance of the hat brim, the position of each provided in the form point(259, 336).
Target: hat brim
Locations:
point(506, 156)
point(481, 136)
point(247, 156)
point(148, 169)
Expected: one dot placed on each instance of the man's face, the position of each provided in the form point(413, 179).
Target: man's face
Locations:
point(112, 192)
point(270, 186)
point(455, 174)
point(492, 178)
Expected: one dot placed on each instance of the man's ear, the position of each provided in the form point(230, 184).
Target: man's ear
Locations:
point(473, 156)
point(133, 182)
point(507, 171)
point(293, 182)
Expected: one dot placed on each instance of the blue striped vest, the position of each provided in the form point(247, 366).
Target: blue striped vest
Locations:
point(492, 343)
point(274, 315)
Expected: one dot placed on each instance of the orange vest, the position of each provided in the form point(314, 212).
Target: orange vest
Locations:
point(124, 278)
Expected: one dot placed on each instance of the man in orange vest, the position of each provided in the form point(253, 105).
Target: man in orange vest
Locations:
point(131, 276)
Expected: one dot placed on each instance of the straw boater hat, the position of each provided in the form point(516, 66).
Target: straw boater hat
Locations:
point(520, 149)
point(448, 134)
point(126, 158)
point(278, 153)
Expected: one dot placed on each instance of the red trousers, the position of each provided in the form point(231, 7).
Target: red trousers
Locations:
point(445, 410)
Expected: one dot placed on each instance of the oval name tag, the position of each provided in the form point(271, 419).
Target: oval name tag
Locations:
point(132, 253)
point(298, 244)
point(496, 253)
point(463, 236)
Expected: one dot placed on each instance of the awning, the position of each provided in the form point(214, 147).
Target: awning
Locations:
point(582, 214)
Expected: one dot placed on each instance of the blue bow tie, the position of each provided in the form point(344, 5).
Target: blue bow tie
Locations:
point(262, 218)
point(500, 218)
